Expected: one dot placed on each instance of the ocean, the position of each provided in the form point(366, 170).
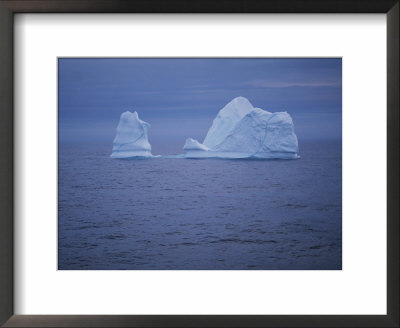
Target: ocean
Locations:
point(199, 214)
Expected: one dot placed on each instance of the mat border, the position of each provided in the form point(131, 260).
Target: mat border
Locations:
point(10, 7)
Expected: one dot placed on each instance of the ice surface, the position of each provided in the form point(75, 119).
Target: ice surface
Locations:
point(242, 131)
point(226, 121)
point(131, 139)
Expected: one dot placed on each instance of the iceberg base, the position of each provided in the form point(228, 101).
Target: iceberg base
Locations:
point(261, 155)
point(132, 154)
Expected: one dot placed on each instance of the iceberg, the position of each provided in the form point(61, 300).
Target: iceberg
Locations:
point(131, 139)
point(243, 131)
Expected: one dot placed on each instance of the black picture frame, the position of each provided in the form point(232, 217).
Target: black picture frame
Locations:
point(10, 7)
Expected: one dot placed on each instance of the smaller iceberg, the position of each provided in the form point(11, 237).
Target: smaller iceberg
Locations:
point(131, 139)
point(194, 145)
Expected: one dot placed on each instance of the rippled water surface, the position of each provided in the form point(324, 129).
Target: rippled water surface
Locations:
point(200, 214)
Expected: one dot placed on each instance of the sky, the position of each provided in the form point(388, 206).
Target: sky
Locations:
point(180, 97)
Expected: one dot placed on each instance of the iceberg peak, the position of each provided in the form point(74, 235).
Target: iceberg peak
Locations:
point(131, 139)
point(238, 106)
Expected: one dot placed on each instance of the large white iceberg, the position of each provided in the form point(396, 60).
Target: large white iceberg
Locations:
point(242, 131)
point(131, 139)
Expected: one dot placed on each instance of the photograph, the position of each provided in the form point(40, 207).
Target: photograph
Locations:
point(199, 163)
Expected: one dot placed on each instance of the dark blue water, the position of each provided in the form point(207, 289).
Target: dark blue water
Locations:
point(200, 214)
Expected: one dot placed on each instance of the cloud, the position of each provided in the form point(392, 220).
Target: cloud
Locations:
point(288, 84)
